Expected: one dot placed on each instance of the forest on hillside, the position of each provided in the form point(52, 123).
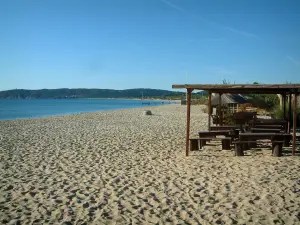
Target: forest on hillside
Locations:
point(91, 93)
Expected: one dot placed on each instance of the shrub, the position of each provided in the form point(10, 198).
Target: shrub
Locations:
point(228, 118)
point(200, 101)
point(261, 111)
point(278, 113)
point(264, 101)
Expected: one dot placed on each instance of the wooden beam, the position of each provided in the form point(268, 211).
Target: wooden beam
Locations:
point(188, 120)
point(243, 88)
point(283, 87)
point(209, 109)
point(294, 123)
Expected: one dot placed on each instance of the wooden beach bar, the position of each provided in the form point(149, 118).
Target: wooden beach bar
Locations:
point(265, 127)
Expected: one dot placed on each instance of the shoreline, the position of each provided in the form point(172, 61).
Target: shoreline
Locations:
point(74, 114)
point(100, 110)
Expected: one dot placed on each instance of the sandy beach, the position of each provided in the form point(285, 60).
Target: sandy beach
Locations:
point(120, 167)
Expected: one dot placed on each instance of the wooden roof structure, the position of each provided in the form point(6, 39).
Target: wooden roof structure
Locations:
point(243, 88)
point(286, 91)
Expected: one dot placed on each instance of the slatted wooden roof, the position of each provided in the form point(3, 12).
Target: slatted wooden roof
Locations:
point(243, 88)
point(228, 99)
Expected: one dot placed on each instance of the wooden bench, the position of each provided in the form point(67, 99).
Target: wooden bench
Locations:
point(198, 143)
point(286, 138)
point(272, 136)
point(238, 148)
point(271, 122)
point(226, 141)
point(277, 140)
point(276, 147)
point(212, 134)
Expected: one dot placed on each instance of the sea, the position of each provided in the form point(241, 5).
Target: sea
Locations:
point(32, 108)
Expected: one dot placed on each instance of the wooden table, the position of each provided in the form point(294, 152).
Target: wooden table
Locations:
point(226, 127)
point(265, 130)
point(277, 139)
point(274, 121)
point(263, 135)
point(272, 126)
point(214, 133)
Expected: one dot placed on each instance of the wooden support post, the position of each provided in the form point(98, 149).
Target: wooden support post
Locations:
point(239, 151)
point(220, 110)
point(226, 144)
point(277, 150)
point(294, 123)
point(209, 109)
point(290, 114)
point(284, 106)
point(188, 118)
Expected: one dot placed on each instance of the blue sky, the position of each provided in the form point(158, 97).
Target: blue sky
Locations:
point(122, 44)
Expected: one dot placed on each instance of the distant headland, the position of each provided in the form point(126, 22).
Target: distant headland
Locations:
point(63, 93)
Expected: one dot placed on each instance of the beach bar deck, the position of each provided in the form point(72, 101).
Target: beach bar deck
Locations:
point(287, 91)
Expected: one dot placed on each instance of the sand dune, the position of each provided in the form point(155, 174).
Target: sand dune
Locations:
point(121, 167)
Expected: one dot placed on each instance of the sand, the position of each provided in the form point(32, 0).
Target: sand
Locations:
point(120, 167)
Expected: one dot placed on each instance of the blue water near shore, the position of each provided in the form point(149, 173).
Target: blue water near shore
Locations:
point(19, 109)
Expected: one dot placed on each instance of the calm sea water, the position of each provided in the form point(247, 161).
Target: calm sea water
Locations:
point(18, 109)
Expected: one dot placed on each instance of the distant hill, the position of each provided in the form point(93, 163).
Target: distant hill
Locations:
point(90, 93)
